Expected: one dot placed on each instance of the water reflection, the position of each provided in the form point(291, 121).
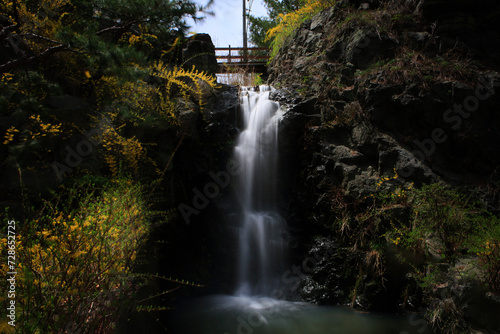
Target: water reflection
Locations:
point(263, 315)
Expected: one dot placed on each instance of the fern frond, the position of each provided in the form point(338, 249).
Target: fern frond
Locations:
point(187, 81)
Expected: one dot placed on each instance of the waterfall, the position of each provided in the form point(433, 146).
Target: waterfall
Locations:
point(262, 241)
point(264, 275)
point(259, 306)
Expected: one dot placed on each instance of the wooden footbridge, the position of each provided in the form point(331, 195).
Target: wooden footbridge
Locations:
point(249, 59)
point(252, 59)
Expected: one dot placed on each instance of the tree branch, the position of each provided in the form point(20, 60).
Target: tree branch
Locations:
point(126, 26)
point(30, 60)
point(110, 29)
point(8, 29)
point(31, 35)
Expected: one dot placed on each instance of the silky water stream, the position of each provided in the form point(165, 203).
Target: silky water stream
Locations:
point(261, 237)
point(262, 253)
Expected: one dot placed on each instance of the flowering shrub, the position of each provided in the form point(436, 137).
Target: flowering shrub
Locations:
point(188, 82)
point(121, 154)
point(75, 265)
point(287, 23)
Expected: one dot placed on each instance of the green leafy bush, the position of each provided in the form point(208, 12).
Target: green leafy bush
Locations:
point(74, 263)
point(461, 225)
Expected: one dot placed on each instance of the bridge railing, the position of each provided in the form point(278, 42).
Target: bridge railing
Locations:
point(229, 58)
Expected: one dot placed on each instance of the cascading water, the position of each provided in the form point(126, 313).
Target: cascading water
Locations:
point(262, 234)
point(262, 242)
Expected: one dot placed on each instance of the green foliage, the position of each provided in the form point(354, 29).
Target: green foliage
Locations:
point(257, 80)
point(68, 66)
point(258, 28)
point(74, 261)
point(188, 83)
point(277, 7)
point(260, 25)
point(486, 245)
point(105, 31)
point(109, 67)
point(459, 224)
point(436, 223)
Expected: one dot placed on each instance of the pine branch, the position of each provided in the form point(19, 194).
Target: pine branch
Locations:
point(31, 35)
point(124, 27)
point(10, 65)
point(111, 29)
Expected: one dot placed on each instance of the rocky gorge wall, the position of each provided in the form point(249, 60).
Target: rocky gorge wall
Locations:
point(383, 96)
point(379, 98)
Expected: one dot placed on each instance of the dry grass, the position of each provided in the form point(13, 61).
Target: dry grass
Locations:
point(416, 68)
point(375, 261)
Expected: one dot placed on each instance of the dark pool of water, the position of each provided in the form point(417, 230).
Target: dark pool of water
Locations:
point(263, 315)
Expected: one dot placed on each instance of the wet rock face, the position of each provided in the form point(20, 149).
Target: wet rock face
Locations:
point(445, 129)
point(329, 279)
point(223, 115)
point(344, 129)
point(362, 47)
point(351, 157)
point(202, 158)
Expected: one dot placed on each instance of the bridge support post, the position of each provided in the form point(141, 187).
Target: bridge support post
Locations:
point(245, 42)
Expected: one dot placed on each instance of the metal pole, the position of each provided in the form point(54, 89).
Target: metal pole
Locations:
point(245, 43)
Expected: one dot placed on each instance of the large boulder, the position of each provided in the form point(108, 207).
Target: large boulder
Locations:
point(199, 51)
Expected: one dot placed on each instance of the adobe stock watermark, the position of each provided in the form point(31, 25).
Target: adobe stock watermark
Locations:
point(211, 190)
point(293, 277)
point(12, 263)
point(75, 155)
point(417, 320)
point(285, 121)
point(454, 116)
point(365, 41)
point(253, 320)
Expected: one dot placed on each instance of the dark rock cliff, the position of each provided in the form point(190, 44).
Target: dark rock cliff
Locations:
point(402, 91)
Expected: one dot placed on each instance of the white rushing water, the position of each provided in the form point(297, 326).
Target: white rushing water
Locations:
point(262, 243)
